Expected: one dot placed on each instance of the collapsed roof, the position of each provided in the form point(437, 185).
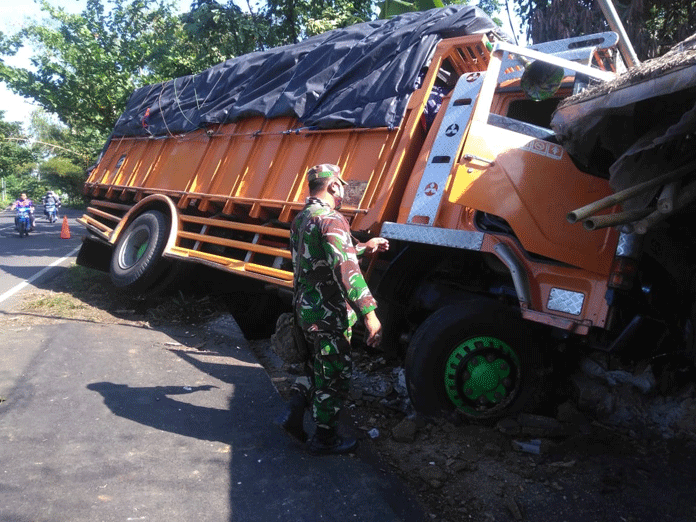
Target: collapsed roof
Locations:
point(634, 126)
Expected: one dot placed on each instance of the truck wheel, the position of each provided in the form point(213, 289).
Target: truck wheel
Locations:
point(470, 357)
point(136, 261)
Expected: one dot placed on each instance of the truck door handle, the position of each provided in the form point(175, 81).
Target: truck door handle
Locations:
point(469, 157)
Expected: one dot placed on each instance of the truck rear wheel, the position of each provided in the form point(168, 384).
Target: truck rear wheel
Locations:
point(470, 357)
point(136, 262)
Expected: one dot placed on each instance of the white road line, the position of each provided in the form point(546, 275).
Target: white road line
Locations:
point(23, 284)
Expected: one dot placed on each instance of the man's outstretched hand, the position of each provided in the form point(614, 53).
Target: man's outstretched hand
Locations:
point(374, 329)
point(377, 244)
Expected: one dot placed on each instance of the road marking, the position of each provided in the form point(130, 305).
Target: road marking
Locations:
point(23, 284)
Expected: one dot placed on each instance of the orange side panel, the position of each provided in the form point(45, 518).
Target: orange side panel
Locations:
point(255, 163)
point(178, 159)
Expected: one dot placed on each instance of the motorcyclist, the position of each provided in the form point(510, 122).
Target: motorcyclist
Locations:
point(51, 198)
point(24, 202)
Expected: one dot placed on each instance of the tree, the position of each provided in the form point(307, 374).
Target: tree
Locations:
point(223, 31)
point(653, 26)
point(294, 20)
point(85, 66)
point(230, 31)
point(59, 166)
point(16, 159)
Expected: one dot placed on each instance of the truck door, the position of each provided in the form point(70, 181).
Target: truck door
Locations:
point(515, 170)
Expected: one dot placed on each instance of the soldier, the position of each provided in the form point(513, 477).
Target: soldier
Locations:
point(329, 289)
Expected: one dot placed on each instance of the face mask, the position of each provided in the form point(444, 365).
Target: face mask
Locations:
point(338, 199)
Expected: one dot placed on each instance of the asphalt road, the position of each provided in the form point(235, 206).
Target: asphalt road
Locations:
point(29, 260)
point(116, 422)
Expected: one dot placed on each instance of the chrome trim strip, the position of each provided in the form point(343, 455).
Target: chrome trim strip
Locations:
point(433, 236)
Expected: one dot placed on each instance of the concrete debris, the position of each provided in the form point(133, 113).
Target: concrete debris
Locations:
point(399, 376)
point(620, 401)
point(509, 426)
point(405, 431)
point(568, 413)
point(512, 507)
point(374, 385)
point(433, 475)
point(644, 382)
point(532, 446)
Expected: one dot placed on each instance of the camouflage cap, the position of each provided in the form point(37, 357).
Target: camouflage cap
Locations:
point(325, 170)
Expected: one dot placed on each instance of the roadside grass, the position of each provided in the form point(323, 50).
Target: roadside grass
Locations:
point(62, 304)
point(85, 293)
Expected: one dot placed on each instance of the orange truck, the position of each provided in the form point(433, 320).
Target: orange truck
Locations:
point(488, 292)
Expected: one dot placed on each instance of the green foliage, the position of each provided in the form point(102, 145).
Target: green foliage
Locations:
point(390, 8)
point(85, 66)
point(64, 176)
point(16, 184)
point(15, 157)
point(221, 32)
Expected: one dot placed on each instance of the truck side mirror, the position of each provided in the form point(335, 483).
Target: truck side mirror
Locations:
point(541, 80)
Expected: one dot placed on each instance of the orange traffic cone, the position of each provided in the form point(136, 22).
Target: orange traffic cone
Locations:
point(65, 230)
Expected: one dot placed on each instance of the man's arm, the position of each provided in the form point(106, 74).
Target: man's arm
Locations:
point(343, 261)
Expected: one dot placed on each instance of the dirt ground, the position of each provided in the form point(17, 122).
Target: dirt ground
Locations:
point(565, 468)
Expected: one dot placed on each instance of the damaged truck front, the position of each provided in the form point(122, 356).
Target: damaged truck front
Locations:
point(443, 131)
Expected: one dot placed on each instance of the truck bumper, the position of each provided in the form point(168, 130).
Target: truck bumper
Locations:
point(95, 254)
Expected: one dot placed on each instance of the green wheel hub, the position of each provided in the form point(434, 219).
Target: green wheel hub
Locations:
point(135, 247)
point(141, 251)
point(482, 375)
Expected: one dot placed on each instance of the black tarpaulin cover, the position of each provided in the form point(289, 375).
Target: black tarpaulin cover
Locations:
point(359, 76)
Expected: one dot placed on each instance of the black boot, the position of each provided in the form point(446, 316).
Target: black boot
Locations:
point(327, 442)
point(291, 420)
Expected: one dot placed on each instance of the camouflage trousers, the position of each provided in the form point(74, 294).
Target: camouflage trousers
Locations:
point(330, 371)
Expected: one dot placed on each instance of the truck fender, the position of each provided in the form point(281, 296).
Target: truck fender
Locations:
point(153, 202)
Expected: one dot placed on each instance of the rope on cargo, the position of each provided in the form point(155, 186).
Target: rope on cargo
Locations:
point(176, 98)
point(199, 104)
point(164, 120)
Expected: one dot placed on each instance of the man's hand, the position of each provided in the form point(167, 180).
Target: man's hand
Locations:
point(374, 329)
point(377, 244)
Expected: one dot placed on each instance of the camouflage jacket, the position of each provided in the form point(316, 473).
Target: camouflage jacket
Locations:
point(329, 286)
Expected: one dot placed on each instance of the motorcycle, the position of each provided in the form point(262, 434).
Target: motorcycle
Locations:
point(23, 221)
point(51, 212)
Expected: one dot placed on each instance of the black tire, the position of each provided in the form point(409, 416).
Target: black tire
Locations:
point(136, 262)
point(472, 357)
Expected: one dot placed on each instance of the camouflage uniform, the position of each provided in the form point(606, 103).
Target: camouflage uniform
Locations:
point(329, 288)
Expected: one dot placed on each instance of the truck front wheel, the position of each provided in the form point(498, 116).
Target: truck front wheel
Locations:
point(136, 261)
point(471, 357)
